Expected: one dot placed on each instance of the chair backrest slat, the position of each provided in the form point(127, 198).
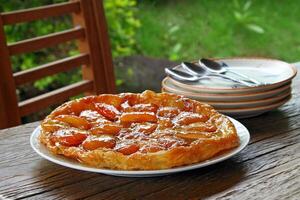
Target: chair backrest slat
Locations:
point(33, 44)
point(48, 69)
point(106, 56)
point(90, 33)
point(9, 112)
point(93, 44)
point(39, 13)
point(56, 96)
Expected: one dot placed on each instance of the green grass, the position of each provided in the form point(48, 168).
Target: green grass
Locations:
point(208, 28)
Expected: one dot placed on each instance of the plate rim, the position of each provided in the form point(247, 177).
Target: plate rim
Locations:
point(228, 95)
point(266, 100)
point(143, 173)
point(245, 89)
point(258, 108)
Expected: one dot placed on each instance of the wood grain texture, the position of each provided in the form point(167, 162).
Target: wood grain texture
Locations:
point(269, 168)
point(105, 51)
point(40, 12)
point(48, 69)
point(9, 112)
point(96, 43)
point(33, 44)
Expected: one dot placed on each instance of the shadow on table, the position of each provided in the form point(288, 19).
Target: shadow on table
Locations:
point(270, 123)
point(200, 183)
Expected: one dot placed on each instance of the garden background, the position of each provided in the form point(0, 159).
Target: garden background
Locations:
point(148, 35)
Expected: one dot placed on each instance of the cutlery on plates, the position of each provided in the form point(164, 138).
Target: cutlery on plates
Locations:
point(200, 71)
point(222, 68)
point(181, 76)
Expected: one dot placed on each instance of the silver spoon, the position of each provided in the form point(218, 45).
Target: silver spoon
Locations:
point(216, 67)
point(186, 77)
point(181, 76)
point(198, 70)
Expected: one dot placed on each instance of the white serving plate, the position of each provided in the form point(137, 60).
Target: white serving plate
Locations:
point(229, 97)
point(242, 131)
point(272, 72)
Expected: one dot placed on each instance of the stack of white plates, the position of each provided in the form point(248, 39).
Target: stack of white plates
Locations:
point(237, 100)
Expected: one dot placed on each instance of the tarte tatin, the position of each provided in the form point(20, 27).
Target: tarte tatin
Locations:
point(146, 131)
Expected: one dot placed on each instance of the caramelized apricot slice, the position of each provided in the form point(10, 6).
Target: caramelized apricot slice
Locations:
point(110, 99)
point(171, 141)
point(188, 105)
point(138, 117)
point(90, 115)
point(132, 135)
point(164, 123)
point(146, 128)
point(125, 106)
point(200, 127)
point(74, 121)
point(111, 129)
point(186, 118)
point(193, 136)
point(99, 142)
point(185, 104)
point(87, 103)
point(53, 125)
point(151, 149)
point(169, 112)
point(131, 98)
point(150, 107)
point(108, 111)
point(68, 137)
point(128, 149)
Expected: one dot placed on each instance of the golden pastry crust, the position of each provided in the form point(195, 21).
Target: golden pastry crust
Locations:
point(146, 131)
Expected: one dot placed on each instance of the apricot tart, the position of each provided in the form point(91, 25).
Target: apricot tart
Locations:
point(146, 131)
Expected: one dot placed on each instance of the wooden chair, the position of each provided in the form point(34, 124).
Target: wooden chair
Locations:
point(89, 31)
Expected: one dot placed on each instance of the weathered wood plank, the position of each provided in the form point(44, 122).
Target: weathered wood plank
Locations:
point(40, 12)
point(48, 69)
point(9, 113)
point(280, 182)
point(98, 179)
point(37, 43)
point(239, 184)
point(96, 44)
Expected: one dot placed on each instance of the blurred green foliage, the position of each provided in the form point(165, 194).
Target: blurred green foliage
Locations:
point(245, 17)
point(216, 28)
point(173, 29)
point(171, 44)
point(122, 25)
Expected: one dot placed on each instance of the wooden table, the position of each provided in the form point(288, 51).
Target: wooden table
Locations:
point(269, 168)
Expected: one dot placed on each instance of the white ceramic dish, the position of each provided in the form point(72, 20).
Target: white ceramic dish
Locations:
point(248, 104)
point(169, 87)
point(255, 111)
point(242, 131)
point(273, 72)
